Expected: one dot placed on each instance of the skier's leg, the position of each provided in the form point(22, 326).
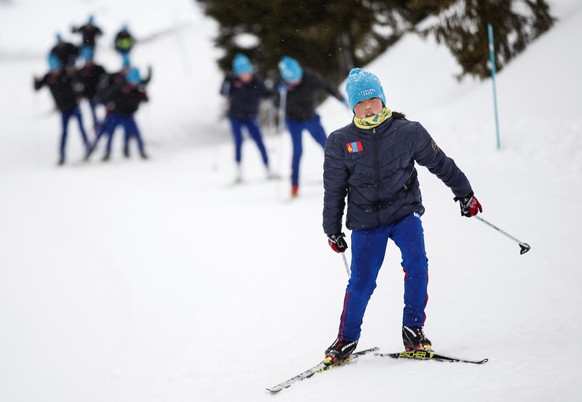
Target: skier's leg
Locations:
point(65, 117)
point(316, 130)
point(115, 121)
point(295, 129)
point(127, 135)
point(368, 250)
point(93, 106)
point(255, 134)
point(409, 237)
point(79, 117)
point(236, 125)
point(133, 131)
point(104, 129)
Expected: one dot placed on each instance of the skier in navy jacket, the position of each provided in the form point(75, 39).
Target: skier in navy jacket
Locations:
point(300, 88)
point(123, 43)
point(245, 90)
point(90, 75)
point(89, 32)
point(122, 99)
point(66, 90)
point(372, 162)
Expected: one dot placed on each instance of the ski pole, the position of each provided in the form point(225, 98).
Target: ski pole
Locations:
point(524, 247)
point(346, 264)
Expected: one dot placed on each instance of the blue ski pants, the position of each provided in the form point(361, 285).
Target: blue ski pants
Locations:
point(65, 117)
point(93, 107)
point(255, 133)
point(296, 127)
point(368, 250)
point(112, 120)
point(131, 131)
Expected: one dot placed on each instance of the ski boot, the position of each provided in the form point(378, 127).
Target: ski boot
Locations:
point(414, 339)
point(339, 350)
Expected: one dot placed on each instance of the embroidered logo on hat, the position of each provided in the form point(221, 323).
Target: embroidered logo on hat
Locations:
point(354, 147)
point(362, 85)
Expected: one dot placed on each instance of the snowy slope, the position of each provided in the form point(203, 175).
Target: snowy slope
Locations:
point(160, 281)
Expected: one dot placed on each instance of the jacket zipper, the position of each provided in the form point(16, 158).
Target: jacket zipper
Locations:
point(377, 171)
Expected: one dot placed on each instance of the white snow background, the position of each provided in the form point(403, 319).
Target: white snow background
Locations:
point(159, 280)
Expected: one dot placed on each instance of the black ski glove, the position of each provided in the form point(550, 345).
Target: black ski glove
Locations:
point(470, 206)
point(337, 242)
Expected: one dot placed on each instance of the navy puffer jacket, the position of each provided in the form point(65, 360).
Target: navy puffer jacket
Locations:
point(375, 169)
point(301, 98)
point(244, 98)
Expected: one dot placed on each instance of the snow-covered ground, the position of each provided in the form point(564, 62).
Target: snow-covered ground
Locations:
point(161, 281)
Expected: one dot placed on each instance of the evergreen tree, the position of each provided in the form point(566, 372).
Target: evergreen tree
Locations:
point(462, 27)
point(331, 37)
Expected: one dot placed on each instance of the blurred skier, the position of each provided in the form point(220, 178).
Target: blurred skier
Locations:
point(299, 88)
point(65, 90)
point(245, 90)
point(65, 52)
point(123, 43)
point(90, 76)
point(371, 161)
point(89, 32)
point(122, 99)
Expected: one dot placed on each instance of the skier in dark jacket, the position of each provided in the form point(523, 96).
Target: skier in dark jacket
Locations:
point(122, 99)
point(65, 90)
point(123, 43)
point(300, 88)
point(245, 90)
point(372, 162)
point(90, 75)
point(89, 32)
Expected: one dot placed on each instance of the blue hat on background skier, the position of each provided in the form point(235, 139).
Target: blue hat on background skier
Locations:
point(241, 65)
point(54, 62)
point(290, 69)
point(90, 20)
point(133, 76)
point(362, 85)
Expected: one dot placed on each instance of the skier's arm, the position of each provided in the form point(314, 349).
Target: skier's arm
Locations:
point(39, 82)
point(148, 77)
point(335, 179)
point(143, 95)
point(226, 85)
point(428, 154)
point(329, 88)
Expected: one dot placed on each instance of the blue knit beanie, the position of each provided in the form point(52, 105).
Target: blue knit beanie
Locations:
point(362, 85)
point(133, 76)
point(54, 62)
point(290, 69)
point(241, 65)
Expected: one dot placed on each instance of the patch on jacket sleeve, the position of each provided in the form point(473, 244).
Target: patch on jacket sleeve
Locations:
point(354, 147)
point(434, 146)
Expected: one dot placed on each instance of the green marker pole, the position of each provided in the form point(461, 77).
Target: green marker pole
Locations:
point(492, 59)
